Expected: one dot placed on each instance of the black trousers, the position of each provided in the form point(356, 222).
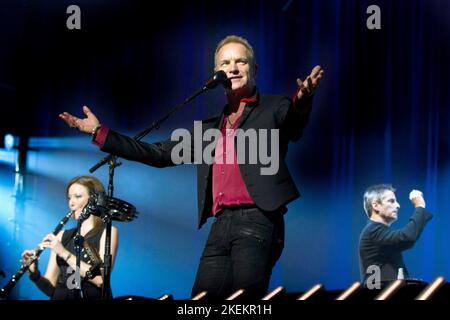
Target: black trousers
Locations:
point(242, 248)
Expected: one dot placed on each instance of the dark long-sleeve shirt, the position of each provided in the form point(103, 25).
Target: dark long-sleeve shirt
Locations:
point(381, 246)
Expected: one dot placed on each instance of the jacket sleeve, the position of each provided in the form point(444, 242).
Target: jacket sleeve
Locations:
point(404, 238)
point(153, 154)
point(292, 116)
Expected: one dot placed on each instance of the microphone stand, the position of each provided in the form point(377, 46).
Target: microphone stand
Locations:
point(79, 241)
point(219, 77)
point(107, 260)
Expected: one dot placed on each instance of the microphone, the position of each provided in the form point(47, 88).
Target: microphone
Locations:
point(219, 77)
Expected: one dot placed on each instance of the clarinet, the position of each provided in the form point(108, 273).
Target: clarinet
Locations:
point(5, 291)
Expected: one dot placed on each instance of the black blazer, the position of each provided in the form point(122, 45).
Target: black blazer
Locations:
point(269, 192)
point(381, 246)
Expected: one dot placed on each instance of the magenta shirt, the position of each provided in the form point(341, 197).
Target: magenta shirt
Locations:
point(100, 137)
point(228, 187)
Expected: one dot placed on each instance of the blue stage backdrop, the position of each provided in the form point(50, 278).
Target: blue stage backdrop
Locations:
point(381, 115)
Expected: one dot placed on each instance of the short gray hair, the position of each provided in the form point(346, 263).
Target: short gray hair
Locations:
point(236, 39)
point(375, 194)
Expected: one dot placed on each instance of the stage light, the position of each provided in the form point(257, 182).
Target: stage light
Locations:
point(166, 297)
point(9, 141)
point(310, 292)
point(431, 289)
point(272, 294)
point(350, 291)
point(390, 290)
point(236, 294)
point(199, 296)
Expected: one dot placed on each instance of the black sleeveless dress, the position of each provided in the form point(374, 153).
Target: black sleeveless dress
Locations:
point(66, 279)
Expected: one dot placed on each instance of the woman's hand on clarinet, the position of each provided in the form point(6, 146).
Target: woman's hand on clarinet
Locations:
point(26, 256)
point(51, 241)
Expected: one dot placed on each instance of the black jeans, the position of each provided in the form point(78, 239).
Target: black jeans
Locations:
point(242, 248)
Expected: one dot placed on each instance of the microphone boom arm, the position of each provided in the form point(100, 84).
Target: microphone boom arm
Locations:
point(218, 77)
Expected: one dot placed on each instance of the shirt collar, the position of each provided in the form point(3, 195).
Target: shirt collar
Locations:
point(254, 98)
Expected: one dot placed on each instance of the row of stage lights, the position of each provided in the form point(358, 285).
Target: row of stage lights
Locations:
point(387, 293)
